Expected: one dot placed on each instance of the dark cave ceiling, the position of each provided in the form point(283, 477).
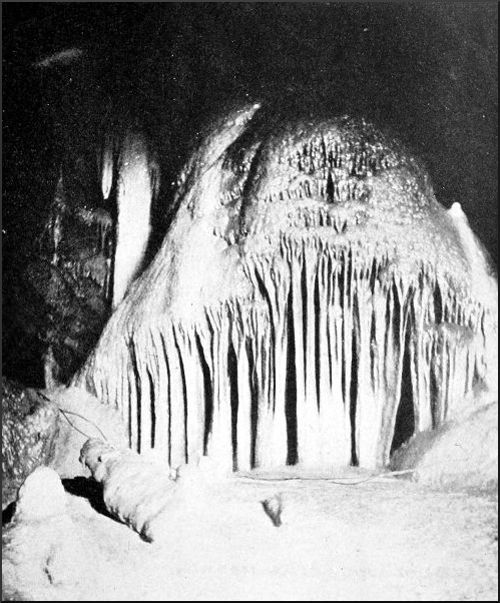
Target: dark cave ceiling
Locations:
point(429, 72)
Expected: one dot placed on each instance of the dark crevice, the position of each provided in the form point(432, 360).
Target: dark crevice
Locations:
point(396, 313)
point(330, 346)
point(86, 487)
point(404, 426)
point(341, 301)
point(232, 364)
point(208, 391)
point(341, 272)
point(434, 390)
point(264, 292)
point(438, 305)
point(305, 310)
point(373, 331)
point(265, 352)
point(254, 403)
point(373, 274)
point(153, 403)
point(477, 380)
point(184, 397)
point(8, 513)
point(348, 274)
point(353, 398)
point(317, 350)
point(130, 403)
point(330, 189)
point(291, 388)
point(137, 380)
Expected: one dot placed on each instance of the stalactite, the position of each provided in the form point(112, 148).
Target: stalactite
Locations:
point(271, 278)
point(137, 184)
point(303, 420)
point(106, 166)
point(177, 398)
point(161, 383)
point(219, 446)
point(244, 411)
point(328, 300)
point(348, 313)
point(340, 401)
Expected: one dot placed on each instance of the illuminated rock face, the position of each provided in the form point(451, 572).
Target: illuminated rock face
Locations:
point(137, 182)
point(308, 278)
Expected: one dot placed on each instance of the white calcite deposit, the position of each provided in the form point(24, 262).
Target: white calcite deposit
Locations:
point(309, 272)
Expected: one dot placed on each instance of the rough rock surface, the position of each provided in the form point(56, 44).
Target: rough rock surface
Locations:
point(460, 455)
point(60, 294)
point(30, 425)
point(49, 427)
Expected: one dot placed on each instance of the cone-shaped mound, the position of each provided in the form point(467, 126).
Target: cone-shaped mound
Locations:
point(309, 287)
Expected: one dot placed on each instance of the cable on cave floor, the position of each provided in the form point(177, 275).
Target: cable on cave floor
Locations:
point(341, 481)
point(333, 480)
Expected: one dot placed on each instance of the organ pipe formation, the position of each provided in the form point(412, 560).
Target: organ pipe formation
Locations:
point(309, 276)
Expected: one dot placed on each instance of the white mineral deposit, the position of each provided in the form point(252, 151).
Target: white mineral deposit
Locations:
point(251, 301)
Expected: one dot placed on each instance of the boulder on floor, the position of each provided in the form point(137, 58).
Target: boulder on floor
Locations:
point(30, 425)
point(461, 455)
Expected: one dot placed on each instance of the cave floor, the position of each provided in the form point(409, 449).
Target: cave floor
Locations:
point(385, 539)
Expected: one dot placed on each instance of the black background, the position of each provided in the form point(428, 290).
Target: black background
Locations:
point(428, 71)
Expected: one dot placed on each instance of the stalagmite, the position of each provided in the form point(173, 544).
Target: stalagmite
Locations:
point(486, 286)
point(308, 283)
